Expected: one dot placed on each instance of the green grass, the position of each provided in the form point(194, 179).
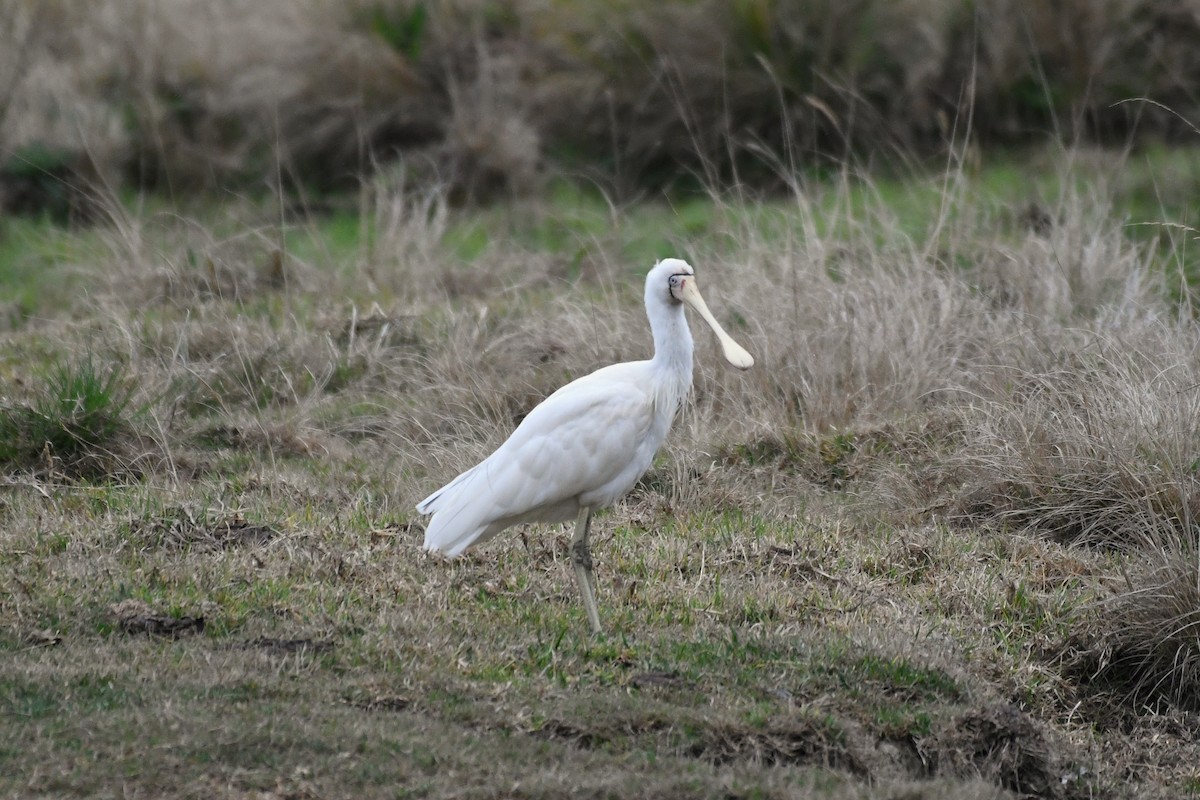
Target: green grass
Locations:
point(80, 410)
point(38, 264)
point(1150, 193)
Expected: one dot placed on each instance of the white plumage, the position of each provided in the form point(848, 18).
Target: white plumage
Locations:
point(587, 444)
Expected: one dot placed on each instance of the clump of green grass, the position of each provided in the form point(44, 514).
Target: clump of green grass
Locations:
point(77, 419)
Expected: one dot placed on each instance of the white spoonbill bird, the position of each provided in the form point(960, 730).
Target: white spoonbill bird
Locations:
point(587, 444)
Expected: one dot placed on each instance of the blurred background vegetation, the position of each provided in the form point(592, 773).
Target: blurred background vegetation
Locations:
point(486, 98)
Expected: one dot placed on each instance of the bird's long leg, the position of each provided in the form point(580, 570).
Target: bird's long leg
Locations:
point(581, 558)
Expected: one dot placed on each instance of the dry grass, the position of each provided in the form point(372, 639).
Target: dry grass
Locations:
point(1141, 644)
point(939, 536)
point(1100, 448)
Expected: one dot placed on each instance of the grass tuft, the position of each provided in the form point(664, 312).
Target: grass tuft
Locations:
point(1100, 450)
point(77, 419)
point(1141, 647)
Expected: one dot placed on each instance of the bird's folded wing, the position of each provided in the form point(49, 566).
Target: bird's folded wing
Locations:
point(587, 434)
point(575, 441)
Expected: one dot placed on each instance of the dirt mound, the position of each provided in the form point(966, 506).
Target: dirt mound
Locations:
point(1002, 744)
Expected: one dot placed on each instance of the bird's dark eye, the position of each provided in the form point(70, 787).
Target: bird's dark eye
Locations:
point(675, 280)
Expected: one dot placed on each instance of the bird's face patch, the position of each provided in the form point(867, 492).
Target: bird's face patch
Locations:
point(677, 285)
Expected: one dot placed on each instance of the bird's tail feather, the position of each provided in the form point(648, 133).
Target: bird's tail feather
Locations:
point(458, 515)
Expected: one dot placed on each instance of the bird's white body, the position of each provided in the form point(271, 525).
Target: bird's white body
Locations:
point(584, 446)
point(587, 444)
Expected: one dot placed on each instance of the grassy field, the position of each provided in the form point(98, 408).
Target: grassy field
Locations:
point(938, 543)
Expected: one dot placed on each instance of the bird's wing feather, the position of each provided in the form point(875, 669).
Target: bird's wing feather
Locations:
point(578, 439)
point(575, 441)
point(434, 502)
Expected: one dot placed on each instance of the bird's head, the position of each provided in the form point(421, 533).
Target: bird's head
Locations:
point(674, 281)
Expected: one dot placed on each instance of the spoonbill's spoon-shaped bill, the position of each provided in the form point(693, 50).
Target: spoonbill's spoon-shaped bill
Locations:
point(586, 445)
point(734, 353)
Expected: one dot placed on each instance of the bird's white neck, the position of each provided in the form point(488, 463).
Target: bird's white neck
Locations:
point(672, 360)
